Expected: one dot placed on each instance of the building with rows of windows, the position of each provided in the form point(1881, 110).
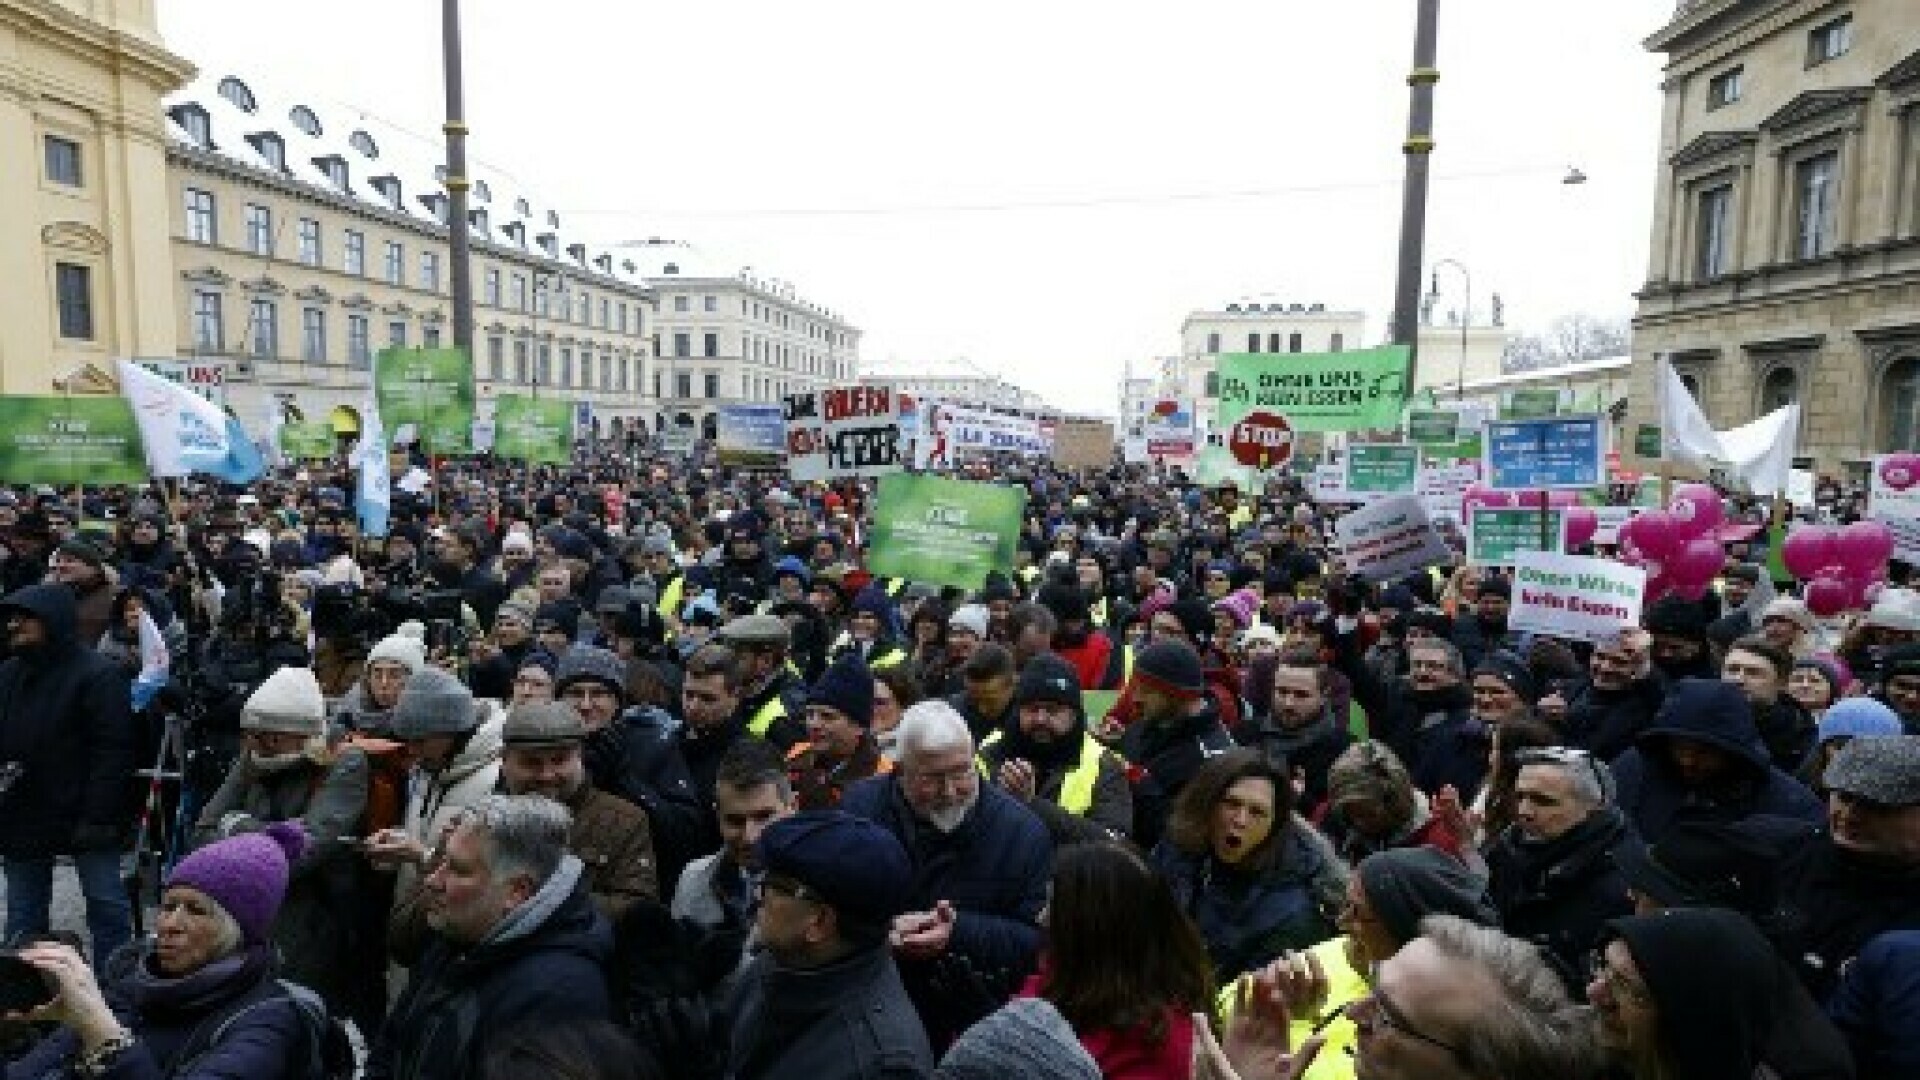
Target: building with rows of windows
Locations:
point(1785, 256)
point(723, 334)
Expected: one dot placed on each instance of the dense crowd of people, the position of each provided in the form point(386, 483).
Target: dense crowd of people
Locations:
point(636, 770)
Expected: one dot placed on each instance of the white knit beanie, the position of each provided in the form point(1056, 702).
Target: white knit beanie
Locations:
point(406, 646)
point(288, 701)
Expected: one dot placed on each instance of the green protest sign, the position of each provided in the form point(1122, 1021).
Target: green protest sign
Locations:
point(70, 440)
point(1494, 535)
point(1382, 468)
point(1433, 427)
point(1344, 391)
point(533, 429)
point(1532, 403)
point(432, 389)
point(941, 531)
point(1646, 441)
point(306, 439)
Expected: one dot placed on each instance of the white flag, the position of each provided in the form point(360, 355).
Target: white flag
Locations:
point(183, 432)
point(1761, 453)
point(1684, 430)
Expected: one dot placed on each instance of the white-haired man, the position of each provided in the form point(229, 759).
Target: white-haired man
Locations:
point(980, 861)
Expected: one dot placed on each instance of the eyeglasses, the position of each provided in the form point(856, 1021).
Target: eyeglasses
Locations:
point(1598, 970)
point(951, 778)
point(1387, 1012)
point(785, 887)
point(589, 692)
point(1569, 757)
point(531, 680)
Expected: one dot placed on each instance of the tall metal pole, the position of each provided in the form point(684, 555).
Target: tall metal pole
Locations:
point(1413, 201)
point(460, 258)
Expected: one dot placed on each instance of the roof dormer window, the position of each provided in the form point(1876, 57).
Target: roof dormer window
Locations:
point(236, 92)
point(389, 189)
point(193, 120)
point(481, 193)
point(304, 119)
point(364, 143)
point(335, 167)
point(272, 149)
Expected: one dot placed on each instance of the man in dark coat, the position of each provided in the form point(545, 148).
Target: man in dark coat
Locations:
point(1608, 709)
point(981, 863)
point(1431, 724)
point(517, 943)
point(1485, 630)
point(1702, 760)
point(823, 1000)
point(1301, 733)
point(1554, 874)
point(1761, 669)
point(66, 760)
point(1050, 761)
point(1178, 730)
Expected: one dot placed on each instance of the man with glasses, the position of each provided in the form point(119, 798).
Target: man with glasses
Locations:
point(1554, 873)
point(773, 701)
point(495, 658)
point(1605, 711)
point(823, 999)
point(980, 863)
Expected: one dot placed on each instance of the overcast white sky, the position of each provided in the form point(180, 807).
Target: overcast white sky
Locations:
point(1043, 187)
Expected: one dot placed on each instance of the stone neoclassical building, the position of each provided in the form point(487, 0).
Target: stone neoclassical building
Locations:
point(1785, 261)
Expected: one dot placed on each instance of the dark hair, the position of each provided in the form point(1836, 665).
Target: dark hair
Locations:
point(989, 661)
point(1305, 659)
point(1781, 660)
point(1102, 894)
point(570, 1050)
point(710, 660)
point(1031, 615)
point(907, 691)
point(1513, 735)
point(1190, 828)
point(751, 763)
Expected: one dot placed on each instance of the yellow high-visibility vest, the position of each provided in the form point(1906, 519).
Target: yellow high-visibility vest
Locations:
point(1076, 788)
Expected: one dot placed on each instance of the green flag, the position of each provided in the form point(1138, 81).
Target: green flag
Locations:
point(307, 439)
point(941, 531)
point(432, 389)
point(1344, 391)
point(70, 440)
point(533, 429)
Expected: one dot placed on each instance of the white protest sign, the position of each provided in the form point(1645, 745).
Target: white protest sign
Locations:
point(1609, 519)
point(1389, 538)
point(1442, 489)
point(847, 431)
point(1330, 485)
point(1573, 596)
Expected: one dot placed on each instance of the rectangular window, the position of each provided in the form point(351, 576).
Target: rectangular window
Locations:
point(209, 332)
point(1829, 40)
point(1293, 342)
point(1253, 342)
point(430, 336)
point(263, 318)
point(63, 161)
point(1273, 342)
point(710, 343)
point(520, 362)
point(496, 357)
point(313, 336)
point(543, 371)
point(710, 303)
point(309, 241)
point(1213, 384)
point(260, 229)
point(397, 334)
point(711, 384)
point(1724, 88)
point(201, 228)
point(430, 271)
point(492, 287)
point(1213, 343)
point(396, 264)
point(356, 258)
point(359, 341)
point(683, 344)
point(73, 287)
point(1338, 343)
point(606, 314)
point(566, 366)
point(623, 316)
point(1814, 198)
point(520, 292)
point(683, 384)
point(682, 303)
point(1714, 232)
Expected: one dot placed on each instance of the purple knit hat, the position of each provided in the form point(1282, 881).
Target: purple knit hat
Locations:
point(245, 874)
point(1240, 604)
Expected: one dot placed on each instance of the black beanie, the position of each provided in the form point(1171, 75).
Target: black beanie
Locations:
point(1512, 671)
point(1067, 601)
point(1405, 885)
point(1496, 586)
point(1171, 667)
point(1677, 616)
point(847, 686)
point(1048, 678)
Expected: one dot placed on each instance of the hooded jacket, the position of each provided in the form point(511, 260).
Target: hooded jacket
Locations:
point(66, 724)
point(1728, 1005)
point(1715, 714)
point(544, 963)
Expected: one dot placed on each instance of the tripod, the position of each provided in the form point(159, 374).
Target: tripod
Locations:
point(157, 840)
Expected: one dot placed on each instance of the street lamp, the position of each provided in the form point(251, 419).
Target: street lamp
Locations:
point(1466, 317)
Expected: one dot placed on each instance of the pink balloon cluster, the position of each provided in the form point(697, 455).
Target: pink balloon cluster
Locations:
point(1844, 568)
point(1900, 471)
point(1679, 547)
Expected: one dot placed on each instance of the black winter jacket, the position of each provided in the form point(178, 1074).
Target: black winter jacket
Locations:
point(850, 1020)
point(1560, 894)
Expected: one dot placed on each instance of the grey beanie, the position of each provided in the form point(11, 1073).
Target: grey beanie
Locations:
point(1405, 885)
point(1027, 1038)
point(584, 663)
point(434, 703)
point(288, 701)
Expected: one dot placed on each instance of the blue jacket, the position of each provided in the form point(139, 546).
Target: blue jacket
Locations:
point(1247, 920)
point(850, 1020)
point(544, 963)
point(1716, 714)
point(1878, 1006)
point(994, 869)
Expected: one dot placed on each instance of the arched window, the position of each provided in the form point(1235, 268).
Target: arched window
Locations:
point(364, 143)
point(1899, 401)
point(236, 92)
point(1778, 389)
point(304, 119)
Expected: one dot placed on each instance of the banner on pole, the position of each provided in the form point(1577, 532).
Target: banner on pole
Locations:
point(1564, 453)
point(1389, 539)
point(431, 390)
point(62, 441)
point(848, 431)
point(942, 531)
point(1344, 391)
point(1382, 468)
point(537, 430)
point(1496, 535)
point(1169, 430)
point(307, 439)
point(1083, 444)
point(752, 436)
point(1572, 596)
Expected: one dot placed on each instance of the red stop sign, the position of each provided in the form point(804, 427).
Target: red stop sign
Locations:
point(1261, 440)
